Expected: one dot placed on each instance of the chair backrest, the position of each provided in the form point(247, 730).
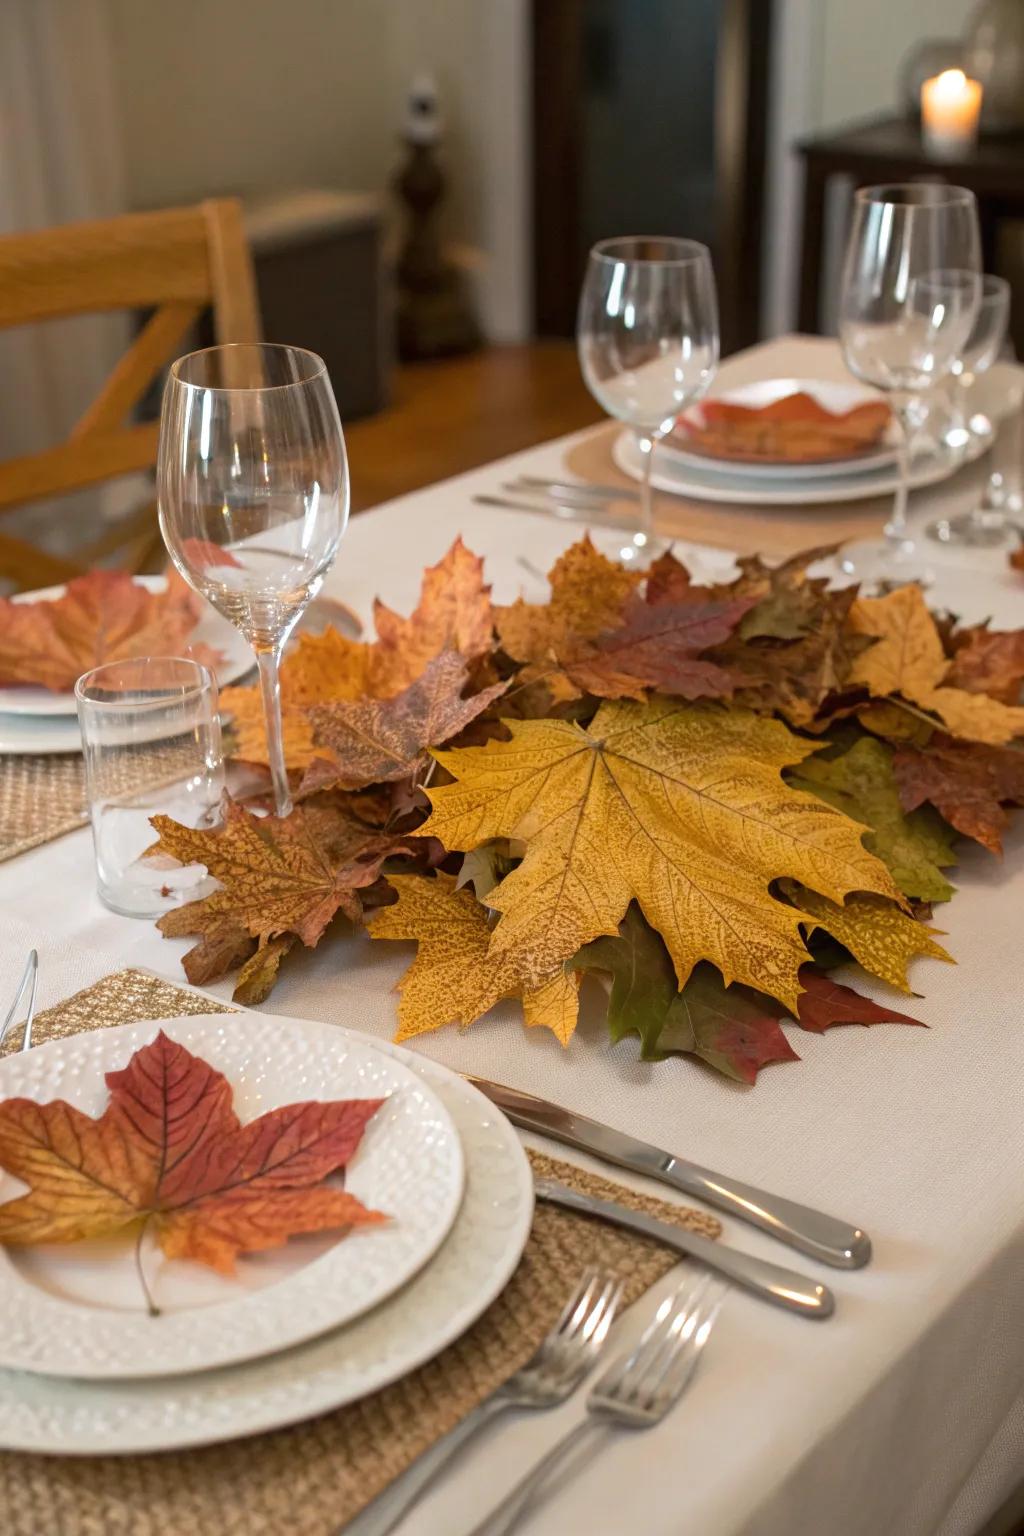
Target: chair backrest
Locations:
point(176, 262)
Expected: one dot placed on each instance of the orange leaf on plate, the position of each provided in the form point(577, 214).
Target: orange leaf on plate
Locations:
point(795, 429)
point(102, 616)
point(169, 1149)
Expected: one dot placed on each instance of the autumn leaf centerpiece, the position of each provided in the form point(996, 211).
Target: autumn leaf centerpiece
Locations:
point(701, 800)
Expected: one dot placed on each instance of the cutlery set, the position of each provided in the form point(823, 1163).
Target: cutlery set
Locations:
point(638, 1389)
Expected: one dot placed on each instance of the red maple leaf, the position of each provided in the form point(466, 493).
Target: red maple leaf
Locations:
point(170, 1152)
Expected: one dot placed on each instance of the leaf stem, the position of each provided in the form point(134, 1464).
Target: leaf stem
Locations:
point(151, 1306)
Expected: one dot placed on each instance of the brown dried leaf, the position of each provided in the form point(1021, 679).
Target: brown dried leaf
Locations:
point(658, 647)
point(968, 784)
point(377, 741)
point(589, 594)
point(989, 661)
point(277, 877)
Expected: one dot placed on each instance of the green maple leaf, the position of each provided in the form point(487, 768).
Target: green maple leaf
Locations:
point(860, 783)
point(730, 1028)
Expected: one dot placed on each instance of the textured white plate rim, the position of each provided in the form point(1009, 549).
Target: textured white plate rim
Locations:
point(211, 628)
point(39, 1413)
point(679, 481)
point(326, 1293)
point(832, 394)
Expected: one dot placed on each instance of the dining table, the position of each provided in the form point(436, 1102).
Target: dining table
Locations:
point(903, 1414)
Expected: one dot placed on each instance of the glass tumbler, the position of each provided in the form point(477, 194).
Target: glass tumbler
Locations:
point(151, 740)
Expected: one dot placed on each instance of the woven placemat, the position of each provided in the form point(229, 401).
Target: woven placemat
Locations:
point(309, 1480)
point(40, 798)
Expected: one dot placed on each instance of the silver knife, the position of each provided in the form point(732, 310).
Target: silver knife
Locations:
point(812, 1232)
point(782, 1287)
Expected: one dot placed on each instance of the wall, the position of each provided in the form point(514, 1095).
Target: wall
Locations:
point(253, 95)
point(834, 61)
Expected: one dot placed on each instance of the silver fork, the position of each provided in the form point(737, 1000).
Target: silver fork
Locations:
point(554, 1372)
point(28, 982)
point(636, 1391)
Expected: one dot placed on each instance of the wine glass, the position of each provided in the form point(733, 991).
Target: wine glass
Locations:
point(985, 524)
point(253, 492)
point(900, 328)
point(647, 335)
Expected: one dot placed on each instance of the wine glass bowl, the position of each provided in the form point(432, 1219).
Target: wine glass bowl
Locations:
point(253, 495)
point(648, 342)
point(908, 300)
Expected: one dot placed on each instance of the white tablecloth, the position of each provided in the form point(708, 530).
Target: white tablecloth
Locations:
point(904, 1414)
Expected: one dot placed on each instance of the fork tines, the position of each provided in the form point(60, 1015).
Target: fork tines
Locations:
point(650, 1379)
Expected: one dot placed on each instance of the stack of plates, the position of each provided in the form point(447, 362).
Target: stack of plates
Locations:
point(871, 473)
point(36, 720)
point(299, 1330)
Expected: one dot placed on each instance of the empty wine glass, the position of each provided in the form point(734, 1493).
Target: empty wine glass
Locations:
point(985, 524)
point(253, 492)
point(647, 334)
point(900, 328)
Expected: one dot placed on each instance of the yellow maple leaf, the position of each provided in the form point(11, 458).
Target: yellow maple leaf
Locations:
point(451, 980)
point(907, 658)
point(882, 938)
point(683, 808)
point(453, 613)
point(588, 596)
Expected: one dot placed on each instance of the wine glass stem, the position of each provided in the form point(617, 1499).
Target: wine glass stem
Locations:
point(896, 528)
point(270, 687)
point(645, 443)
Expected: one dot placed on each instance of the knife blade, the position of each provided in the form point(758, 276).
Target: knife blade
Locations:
point(782, 1287)
point(814, 1233)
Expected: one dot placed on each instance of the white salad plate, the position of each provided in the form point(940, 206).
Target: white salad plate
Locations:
point(472, 1267)
point(212, 629)
point(835, 397)
point(78, 1309)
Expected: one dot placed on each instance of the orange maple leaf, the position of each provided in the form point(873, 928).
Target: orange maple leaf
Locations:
point(453, 613)
point(101, 616)
point(170, 1151)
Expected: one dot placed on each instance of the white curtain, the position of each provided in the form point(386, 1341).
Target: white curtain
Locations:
point(59, 161)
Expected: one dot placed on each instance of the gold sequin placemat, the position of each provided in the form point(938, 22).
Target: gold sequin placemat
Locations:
point(310, 1479)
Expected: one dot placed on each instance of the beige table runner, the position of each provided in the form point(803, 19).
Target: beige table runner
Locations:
point(309, 1479)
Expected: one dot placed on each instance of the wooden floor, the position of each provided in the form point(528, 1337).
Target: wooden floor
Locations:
point(453, 415)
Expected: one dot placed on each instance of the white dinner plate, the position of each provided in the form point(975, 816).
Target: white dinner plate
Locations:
point(713, 484)
point(835, 397)
point(472, 1267)
point(77, 1309)
point(996, 394)
point(212, 629)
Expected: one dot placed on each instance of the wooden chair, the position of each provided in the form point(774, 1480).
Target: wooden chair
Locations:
point(177, 262)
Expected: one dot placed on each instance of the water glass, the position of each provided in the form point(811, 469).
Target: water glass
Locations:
point(151, 740)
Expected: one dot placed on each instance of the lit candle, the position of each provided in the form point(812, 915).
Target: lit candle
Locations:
point(950, 108)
